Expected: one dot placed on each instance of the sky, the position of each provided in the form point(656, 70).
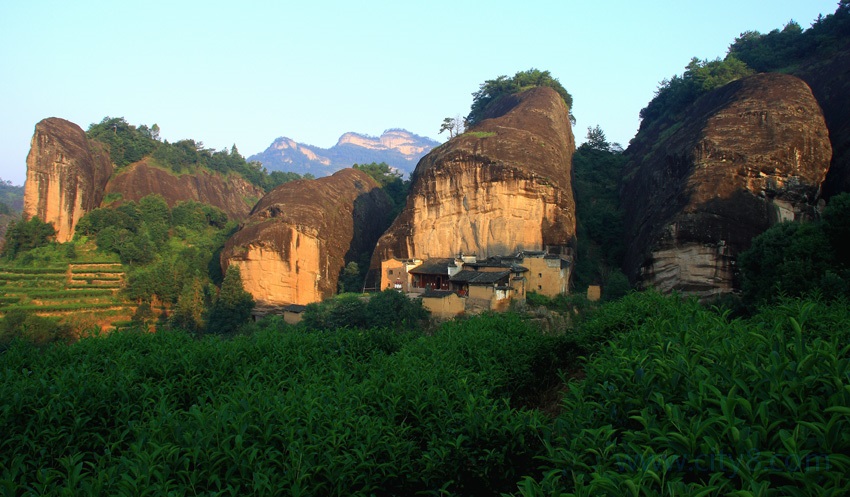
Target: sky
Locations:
point(248, 72)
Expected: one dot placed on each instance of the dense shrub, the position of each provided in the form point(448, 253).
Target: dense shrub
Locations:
point(689, 402)
point(795, 259)
point(23, 325)
point(23, 236)
point(386, 309)
point(344, 412)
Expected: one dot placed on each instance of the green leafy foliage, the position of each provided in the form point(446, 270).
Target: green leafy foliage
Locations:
point(345, 412)
point(128, 144)
point(689, 402)
point(779, 49)
point(11, 196)
point(166, 248)
point(391, 182)
point(22, 324)
point(23, 236)
point(597, 170)
point(493, 90)
point(387, 309)
point(233, 305)
point(700, 77)
point(795, 259)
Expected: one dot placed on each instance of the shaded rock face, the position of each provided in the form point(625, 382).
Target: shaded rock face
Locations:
point(233, 195)
point(830, 83)
point(501, 187)
point(66, 175)
point(300, 236)
point(749, 154)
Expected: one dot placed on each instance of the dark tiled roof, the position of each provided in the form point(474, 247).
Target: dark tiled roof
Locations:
point(437, 294)
point(297, 309)
point(480, 277)
point(434, 266)
point(465, 276)
point(489, 277)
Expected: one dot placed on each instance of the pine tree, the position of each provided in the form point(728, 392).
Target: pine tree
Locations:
point(233, 306)
point(189, 311)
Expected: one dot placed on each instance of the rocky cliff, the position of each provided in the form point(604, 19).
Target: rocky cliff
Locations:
point(829, 79)
point(66, 175)
point(503, 186)
point(749, 154)
point(399, 148)
point(301, 235)
point(234, 195)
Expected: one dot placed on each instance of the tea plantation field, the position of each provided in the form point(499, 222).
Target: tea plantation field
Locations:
point(658, 396)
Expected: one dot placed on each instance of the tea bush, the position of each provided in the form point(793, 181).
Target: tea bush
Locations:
point(689, 402)
point(340, 412)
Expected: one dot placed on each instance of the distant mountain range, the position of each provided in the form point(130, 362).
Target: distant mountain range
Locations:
point(399, 148)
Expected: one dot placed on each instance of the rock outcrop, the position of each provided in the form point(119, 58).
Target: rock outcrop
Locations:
point(830, 82)
point(501, 187)
point(300, 236)
point(233, 195)
point(749, 154)
point(66, 175)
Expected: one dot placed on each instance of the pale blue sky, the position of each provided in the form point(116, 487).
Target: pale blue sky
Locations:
point(248, 72)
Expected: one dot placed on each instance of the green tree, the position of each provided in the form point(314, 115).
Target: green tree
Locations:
point(233, 305)
point(788, 259)
point(454, 126)
point(32, 328)
point(391, 182)
point(597, 170)
point(392, 309)
point(343, 311)
point(493, 90)
point(127, 143)
point(836, 218)
point(596, 139)
point(350, 280)
point(22, 236)
point(189, 311)
point(700, 77)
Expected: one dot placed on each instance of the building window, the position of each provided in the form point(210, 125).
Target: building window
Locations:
point(540, 287)
point(390, 271)
point(539, 275)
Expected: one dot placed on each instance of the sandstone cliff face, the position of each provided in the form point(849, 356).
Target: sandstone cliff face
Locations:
point(501, 187)
point(749, 154)
point(66, 175)
point(301, 235)
point(233, 195)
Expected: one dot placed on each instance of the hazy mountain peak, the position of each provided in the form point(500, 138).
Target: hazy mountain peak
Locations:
point(399, 148)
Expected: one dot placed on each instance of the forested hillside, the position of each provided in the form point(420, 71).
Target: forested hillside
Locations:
point(128, 144)
point(777, 51)
point(11, 204)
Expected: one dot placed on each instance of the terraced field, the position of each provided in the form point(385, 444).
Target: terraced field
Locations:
point(89, 288)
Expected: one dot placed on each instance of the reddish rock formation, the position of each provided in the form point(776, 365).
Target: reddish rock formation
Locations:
point(501, 187)
point(749, 154)
point(66, 175)
point(233, 195)
point(301, 235)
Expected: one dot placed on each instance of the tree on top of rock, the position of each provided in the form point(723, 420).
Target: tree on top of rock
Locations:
point(493, 90)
